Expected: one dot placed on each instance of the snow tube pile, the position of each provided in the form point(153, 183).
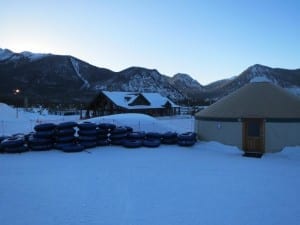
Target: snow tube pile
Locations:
point(136, 135)
point(43, 137)
point(151, 143)
point(65, 137)
point(88, 134)
point(118, 135)
point(169, 138)
point(13, 144)
point(187, 139)
point(132, 143)
point(2, 138)
point(103, 133)
point(134, 140)
point(153, 135)
point(107, 126)
point(102, 137)
point(64, 126)
point(152, 140)
point(72, 147)
point(129, 129)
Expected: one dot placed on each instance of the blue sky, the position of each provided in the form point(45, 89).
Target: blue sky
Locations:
point(209, 40)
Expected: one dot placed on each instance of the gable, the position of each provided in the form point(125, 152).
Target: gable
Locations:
point(134, 100)
point(168, 105)
point(139, 100)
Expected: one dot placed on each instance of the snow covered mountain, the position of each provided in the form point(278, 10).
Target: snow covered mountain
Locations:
point(6, 54)
point(288, 79)
point(189, 86)
point(47, 79)
point(52, 79)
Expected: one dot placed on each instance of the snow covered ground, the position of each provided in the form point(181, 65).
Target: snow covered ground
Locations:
point(209, 183)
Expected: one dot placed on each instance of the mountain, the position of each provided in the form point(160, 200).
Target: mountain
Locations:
point(50, 79)
point(187, 85)
point(47, 79)
point(6, 54)
point(288, 79)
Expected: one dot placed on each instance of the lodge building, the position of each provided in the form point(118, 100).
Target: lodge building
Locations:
point(114, 102)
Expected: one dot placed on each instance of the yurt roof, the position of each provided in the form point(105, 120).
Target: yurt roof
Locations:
point(255, 100)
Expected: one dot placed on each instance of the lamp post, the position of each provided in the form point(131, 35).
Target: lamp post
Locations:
point(17, 92)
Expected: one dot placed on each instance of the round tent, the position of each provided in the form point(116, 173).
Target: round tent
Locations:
point(259, 117)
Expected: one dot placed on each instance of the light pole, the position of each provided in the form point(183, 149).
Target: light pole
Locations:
point(16, 92)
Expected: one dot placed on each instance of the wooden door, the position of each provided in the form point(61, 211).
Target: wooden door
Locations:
point(254, 135)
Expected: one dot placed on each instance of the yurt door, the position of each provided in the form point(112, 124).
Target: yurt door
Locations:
point(254, 135)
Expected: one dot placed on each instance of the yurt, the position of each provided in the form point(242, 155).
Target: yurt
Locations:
point(259, 117)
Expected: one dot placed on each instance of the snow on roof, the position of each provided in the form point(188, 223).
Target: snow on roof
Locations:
point(157, 99)
point(123, 99)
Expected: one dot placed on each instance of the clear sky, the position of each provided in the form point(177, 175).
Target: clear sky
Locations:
point(209, 40)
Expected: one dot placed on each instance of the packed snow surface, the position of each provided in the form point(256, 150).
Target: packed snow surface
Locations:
point(208, 183)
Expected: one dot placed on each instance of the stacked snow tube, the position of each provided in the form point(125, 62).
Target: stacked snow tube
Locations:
point(129, 129)
point(13, 144)
point(134, 140)
point(2, 138)
point(118, 135)
point(65, 137)
point(43, 137)
point(88, 134)
point(74, 147)
point(152, 140)
point(187, 139)
point(169, 138)
point(107, 126)
point(104, 130)
point(102, 137)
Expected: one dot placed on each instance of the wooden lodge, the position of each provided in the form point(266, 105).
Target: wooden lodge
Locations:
point(113, 102)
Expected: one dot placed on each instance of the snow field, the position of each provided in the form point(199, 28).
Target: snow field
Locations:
point(208, 183)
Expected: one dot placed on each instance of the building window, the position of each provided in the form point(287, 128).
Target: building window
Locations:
point(253, 128)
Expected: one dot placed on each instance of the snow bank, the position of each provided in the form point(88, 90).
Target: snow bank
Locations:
point(7, 112)
point(16, 120)
point(139, 122)
point(10, 123)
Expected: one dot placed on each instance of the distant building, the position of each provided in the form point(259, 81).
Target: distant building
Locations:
point(114, 102)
